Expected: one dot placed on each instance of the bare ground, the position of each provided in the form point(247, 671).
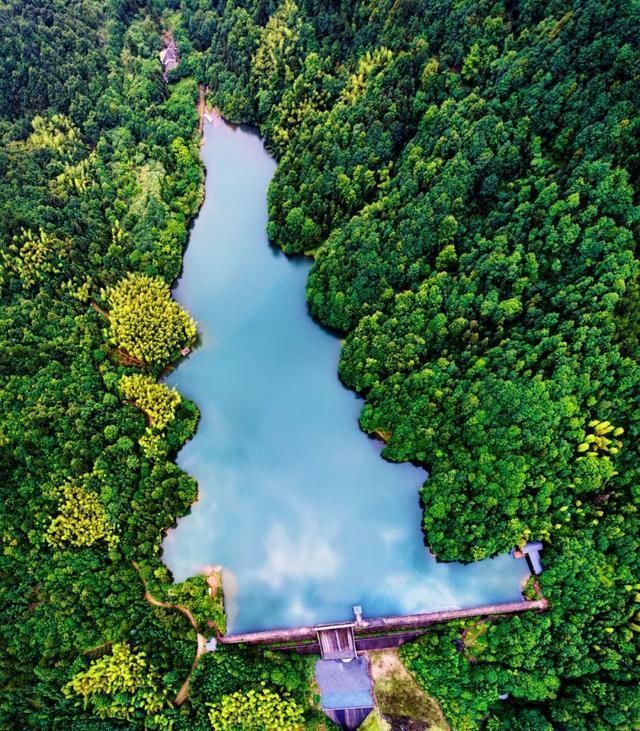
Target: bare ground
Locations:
point(401, 701)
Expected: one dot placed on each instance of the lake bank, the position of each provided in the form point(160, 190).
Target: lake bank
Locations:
point(294, 500)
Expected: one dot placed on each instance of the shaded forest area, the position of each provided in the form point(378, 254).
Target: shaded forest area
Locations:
point(465, 176)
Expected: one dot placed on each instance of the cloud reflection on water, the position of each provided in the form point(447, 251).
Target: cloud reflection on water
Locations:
point(287, 557)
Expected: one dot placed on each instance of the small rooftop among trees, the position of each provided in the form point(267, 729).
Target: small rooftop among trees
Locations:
point(169, 58)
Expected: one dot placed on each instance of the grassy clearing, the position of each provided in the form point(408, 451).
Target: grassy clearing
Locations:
point(399, 697)
point(375, 722)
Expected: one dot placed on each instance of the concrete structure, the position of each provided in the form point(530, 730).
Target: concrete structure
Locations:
point(336, 641)
point(531, 552)
point(345, 687)
point(377, 633)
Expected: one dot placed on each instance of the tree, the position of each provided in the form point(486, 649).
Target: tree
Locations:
point(34, 257)
point(158, 401)
point(81, 520)
point(259, 710)
point(145, 321)
point(119, 685)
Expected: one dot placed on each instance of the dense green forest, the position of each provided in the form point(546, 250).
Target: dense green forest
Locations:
point(465, 175)
point(101, 174)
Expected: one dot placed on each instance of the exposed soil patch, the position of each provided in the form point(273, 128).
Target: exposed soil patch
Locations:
point(401, 701)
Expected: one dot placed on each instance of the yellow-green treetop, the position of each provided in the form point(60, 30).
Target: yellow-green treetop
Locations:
point(145, 321)
point(602, 438)
point(34, 256)
point(152, 445)
point(257, 709)
point(117, 684)
point(81, 520)
point(159, 402)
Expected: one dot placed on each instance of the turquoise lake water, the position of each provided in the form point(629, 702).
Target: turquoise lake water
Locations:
point(295, 502)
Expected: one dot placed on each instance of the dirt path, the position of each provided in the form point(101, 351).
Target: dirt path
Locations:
point(183, 693)
point(201, 647)
point(99, 309)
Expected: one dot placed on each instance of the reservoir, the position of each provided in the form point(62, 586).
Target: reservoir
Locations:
point(295, 502)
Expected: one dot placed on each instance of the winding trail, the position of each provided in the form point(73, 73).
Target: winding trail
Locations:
point(201, 646)
point(99, 309)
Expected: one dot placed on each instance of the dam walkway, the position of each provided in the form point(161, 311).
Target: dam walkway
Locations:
point(371, 634)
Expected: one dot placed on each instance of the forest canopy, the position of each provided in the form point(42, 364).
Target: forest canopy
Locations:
point(465, 176)
point(145, 322)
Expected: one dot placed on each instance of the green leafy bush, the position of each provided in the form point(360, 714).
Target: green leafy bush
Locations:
point(119, 685)
point(259, 710)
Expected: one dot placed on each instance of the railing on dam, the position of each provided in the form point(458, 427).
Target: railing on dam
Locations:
point(378, 632)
